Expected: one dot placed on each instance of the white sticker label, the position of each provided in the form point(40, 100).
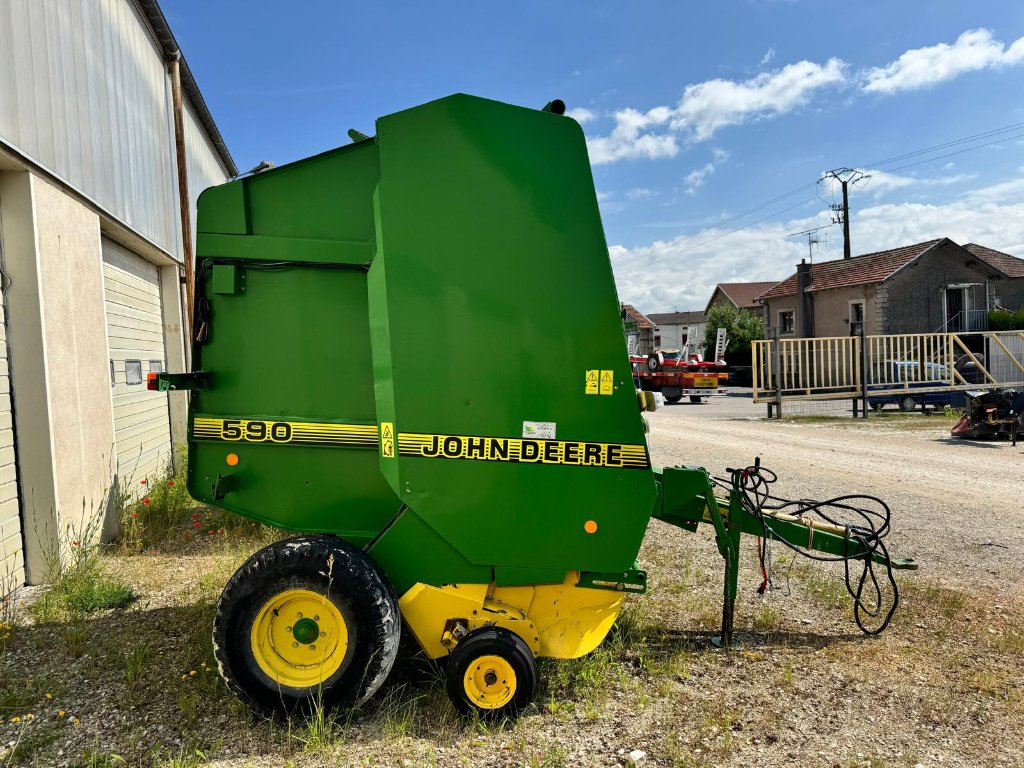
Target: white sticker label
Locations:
point(539, 430)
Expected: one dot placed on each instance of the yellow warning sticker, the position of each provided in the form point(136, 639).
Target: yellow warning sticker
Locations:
point(592, 377)
point(387, 440)
point(607, 382)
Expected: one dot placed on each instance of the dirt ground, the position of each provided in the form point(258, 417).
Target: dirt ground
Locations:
point(942, 687)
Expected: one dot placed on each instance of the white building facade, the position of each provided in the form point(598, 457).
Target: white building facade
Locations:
point(91, 257)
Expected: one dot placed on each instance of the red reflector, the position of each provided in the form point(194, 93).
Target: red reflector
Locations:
point(151, 384)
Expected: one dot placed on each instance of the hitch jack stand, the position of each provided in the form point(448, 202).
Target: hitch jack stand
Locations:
point(727, 537)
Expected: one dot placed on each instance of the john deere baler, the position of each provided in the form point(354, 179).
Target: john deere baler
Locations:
point(410, 350)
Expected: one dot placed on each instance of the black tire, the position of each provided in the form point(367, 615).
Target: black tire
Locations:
point(698, 399)
point(908, 404)
point(673, 400)
point(654, 362)
point(354, 586)
point(492, 641)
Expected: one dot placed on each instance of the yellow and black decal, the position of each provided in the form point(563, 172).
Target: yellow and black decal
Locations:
point(575, 452)
point(291, 432)
point(583, 453)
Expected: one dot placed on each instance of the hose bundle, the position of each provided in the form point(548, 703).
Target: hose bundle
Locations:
point(864, 518)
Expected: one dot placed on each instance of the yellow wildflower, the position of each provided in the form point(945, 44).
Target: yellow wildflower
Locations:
point(49, 696)
point(61, 713)
point(192, 673)
point(74, 721)
point(15, 719)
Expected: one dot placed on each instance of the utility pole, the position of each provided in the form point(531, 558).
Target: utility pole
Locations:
point(841, 214)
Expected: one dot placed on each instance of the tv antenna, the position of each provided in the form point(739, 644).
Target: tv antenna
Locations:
point(813, 238)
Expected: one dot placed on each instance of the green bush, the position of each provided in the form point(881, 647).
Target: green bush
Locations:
point(742, 327)
point(1006, 320)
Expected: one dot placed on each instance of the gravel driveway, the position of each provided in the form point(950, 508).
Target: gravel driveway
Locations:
point(958, 505)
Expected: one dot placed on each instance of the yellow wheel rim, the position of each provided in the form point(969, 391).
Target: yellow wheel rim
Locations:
point(299, 638)
point(490, 682)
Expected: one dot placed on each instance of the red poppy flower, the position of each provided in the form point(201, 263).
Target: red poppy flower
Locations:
point(135, 514)
point(143, 482)
point(146, 500)
point(198, 525)
point(76, 543)
point(195, 515)
point(170, 483)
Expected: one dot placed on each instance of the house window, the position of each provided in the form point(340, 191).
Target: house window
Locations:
point(786, 321)
point(113, 381)
point(133, 371)
point(856, 318)
point(156, 366)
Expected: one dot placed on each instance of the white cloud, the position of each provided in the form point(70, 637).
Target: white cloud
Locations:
point(581, 114)
point(627, 140)
point(720, 155)
point(665, 274)
point(695, 178)
point(882, 183)
point(706, 107)
point(640, 193)
point(922, 67)
point(768, 56)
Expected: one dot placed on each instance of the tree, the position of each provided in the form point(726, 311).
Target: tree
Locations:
point(742, 327)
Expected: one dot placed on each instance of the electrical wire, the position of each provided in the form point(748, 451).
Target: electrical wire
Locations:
point(869, 525)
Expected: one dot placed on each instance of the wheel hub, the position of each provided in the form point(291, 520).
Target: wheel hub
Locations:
point(490, 682)
point(306, 631)
point(299, 638)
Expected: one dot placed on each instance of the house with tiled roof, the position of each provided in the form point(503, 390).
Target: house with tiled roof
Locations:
point(926, 287)
point(639, 330)
point(739, 295)
point(678, 330)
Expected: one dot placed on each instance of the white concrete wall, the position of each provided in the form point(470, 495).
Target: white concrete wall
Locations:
point(63, 417)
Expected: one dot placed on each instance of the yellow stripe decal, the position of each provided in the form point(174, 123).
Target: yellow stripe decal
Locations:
point(583, 453)
point(573, 452)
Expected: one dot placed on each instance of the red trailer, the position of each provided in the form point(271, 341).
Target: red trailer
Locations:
point(677, 376)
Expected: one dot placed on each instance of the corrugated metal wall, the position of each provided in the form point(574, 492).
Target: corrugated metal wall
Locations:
point(85, 93)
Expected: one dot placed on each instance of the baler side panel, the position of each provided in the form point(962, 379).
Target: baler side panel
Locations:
point(492, 297)
point(289, 347)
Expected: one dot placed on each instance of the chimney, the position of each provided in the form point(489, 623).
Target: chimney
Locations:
point(803, 290)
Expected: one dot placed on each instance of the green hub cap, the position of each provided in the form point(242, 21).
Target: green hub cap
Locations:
point(306, 631)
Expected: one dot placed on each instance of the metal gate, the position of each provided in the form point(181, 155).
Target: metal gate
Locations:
point(851, 367)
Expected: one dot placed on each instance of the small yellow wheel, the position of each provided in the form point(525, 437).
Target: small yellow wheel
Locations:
point(492, 672)
point(490, 682)
point(299, 638)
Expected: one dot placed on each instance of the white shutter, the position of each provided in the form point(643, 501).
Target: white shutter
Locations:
point(135, 334)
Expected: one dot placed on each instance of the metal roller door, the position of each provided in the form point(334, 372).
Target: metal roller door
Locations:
point(12, 556)
point(135, 335)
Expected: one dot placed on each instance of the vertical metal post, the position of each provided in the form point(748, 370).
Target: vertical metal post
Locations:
point(846, 219)
point(777, 346)
point(864, 371)
point(184, 206)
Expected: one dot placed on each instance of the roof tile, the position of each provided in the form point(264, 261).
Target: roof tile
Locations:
point(1009, 265)
point(859, 270)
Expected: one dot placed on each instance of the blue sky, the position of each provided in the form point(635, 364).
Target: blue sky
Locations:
point(695, 112)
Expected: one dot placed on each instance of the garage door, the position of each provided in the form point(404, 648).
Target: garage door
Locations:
point(135, 334)
point(12, 560)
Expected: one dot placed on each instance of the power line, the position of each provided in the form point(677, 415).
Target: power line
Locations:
point(1001, 132)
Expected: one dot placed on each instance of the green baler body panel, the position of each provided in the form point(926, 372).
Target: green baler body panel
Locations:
point(485, 300)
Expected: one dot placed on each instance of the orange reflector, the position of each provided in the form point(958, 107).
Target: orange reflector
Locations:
point(151, 384)
point(590, 526)
point(232, 459)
